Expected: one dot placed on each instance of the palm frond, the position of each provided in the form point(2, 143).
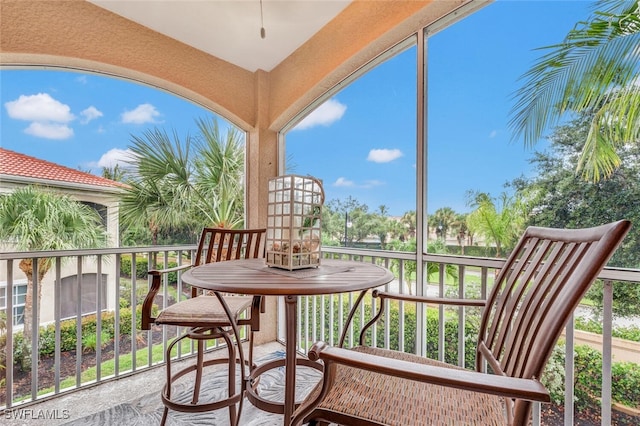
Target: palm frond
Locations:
point(595, 58)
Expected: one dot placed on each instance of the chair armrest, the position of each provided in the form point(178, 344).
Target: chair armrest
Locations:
point(383, 296)
point(428, 299)
point(529, 389)
point(155, 275)
point(173, 269)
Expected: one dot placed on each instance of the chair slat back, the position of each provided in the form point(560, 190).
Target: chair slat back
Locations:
point(219, 244)
point(540, 285)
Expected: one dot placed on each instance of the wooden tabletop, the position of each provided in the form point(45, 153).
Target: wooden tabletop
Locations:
point(252, 276)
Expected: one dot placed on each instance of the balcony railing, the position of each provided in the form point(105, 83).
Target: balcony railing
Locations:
point(320, 317)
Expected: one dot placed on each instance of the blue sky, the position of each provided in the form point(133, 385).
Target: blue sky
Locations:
point(361, 143)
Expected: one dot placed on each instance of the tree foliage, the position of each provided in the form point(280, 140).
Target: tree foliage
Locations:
point(500, 221)
point(564, 199)
point(594, 70)
point(442, 221)
point(190, 183)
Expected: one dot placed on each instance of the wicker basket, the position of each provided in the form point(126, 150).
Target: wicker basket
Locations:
point(294, 222)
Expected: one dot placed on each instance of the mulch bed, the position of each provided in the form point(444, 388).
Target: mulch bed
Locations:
point(551, 414)
point(554, 415)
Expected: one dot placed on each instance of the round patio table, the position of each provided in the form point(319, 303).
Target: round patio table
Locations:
point(254, 277)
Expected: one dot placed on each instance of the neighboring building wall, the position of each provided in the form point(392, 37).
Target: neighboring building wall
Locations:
point(19, 171)
point(68, 275)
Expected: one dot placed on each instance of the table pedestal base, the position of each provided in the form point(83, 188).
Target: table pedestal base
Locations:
point(254, 379)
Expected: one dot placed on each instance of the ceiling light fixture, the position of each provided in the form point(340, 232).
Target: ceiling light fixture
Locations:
point(263, 33)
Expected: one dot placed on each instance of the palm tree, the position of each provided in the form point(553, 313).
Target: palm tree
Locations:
point(34, 219)
point(116, 173)
point(219, 168)
point(409, 267)
point(195, 183)
point(499, 223)
point(594, 71)
point(433, 269)
point(160, 184)
point(382, 224)
point(460, 224)
point(409, 221)
point(443, 219)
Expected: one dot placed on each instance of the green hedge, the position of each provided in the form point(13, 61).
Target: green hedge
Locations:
point(451, 330)
point(142, 267)
point(46, 342)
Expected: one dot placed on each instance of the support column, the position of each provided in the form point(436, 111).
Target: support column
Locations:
point(262, 156)
point(261, 165)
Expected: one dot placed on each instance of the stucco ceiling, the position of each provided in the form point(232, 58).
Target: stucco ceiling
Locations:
point(230, 29)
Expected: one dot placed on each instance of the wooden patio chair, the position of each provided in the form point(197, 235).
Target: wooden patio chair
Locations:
point(206, 319)
point(535, 292)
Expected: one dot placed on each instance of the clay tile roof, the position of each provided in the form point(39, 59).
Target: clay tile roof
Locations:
point(16, 164)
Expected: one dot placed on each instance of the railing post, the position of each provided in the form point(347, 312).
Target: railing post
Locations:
point(9, 341)
point(607, 353)
point(57, 314)
point(569, 373)
point(35, 328)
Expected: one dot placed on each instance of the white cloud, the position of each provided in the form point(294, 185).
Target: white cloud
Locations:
point(384, 155)
point(372, 183)
point(41, 108)
point(49, 130)
point(144, 113)
point(493, 134)
point(114, 157)
point(82, 79)
point(89, 114)
point(343, 182)
point(325, 115)
point(48, 116)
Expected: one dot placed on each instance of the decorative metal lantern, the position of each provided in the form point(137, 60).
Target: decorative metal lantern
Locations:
point(294, 222)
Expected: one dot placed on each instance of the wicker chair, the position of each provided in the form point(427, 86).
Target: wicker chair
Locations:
point(537, 289)
point(206, 319)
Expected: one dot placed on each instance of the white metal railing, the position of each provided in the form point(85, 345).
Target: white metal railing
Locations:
point(315, 313)
point(124, 329)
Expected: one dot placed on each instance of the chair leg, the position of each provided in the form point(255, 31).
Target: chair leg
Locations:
point(234, 416)
point(251, 332)
point(168, 360)
point(199, 367)
point(165, 412)
point(233, 400)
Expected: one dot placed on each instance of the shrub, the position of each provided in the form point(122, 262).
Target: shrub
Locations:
point(553, 375)
point(410, 321)
point(142, 266)
point(68, 332)
point(626, 379)
point(90, 341)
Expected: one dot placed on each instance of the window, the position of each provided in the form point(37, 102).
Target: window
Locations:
point(88, 295)
point(19, 299)
point(362, 144)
